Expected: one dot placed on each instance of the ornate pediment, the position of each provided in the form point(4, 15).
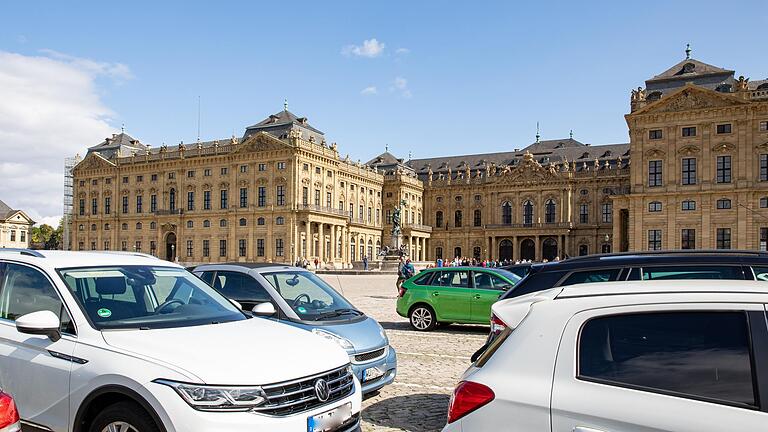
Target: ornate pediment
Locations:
point(763, 146)
point(261, 141)
point(94, 161)
point(689, 150)
point(655, 152)
point(723, 147)
point(529, 170)
point(691, 97)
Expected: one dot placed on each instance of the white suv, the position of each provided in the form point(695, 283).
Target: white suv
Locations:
point(96, 342)
point(682, 355)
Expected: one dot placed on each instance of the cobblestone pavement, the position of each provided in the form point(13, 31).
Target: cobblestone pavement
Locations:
point(429, 364)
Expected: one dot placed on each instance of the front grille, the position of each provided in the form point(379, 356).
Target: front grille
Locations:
point(292, 397)
point(370, 355)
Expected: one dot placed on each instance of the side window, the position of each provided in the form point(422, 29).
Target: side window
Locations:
point(424, 278)
point(442, 278)
point(207, 277)
point(483, 280)
point(761, 273)
point(602, 275)
point(634, 274)
point(26, 290)
point(700, 355)
point(239, 286)
point(693, 272)
point(460, 279)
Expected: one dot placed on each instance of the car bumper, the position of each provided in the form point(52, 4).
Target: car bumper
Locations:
point(453, 427)
point(183, 418)
point(387, 364)
point(402, 307)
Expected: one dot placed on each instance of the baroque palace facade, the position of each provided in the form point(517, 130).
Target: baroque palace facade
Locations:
point(694, 175)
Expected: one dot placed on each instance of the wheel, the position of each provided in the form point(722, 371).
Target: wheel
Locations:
point(423, 318)
point(123, 417)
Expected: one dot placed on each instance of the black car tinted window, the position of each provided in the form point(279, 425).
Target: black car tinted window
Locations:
point(587, 276)
point(690, 354)
point(761, 273)
point(534, 282)
point(693, 272)
point(207, 277)
point(239, 286)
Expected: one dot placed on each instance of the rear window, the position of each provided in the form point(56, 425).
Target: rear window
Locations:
point(761, 273)
point(535, 282)
point(693, 272)
point(701, 355)
point(587, 276)
point(423, 279)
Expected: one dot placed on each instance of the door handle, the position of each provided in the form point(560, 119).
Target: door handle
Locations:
point(477, 296)
point(586, 429)
point(435, 294)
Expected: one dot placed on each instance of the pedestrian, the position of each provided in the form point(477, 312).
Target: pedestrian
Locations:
point(365, 262)
point(317, 264)
point(439, 262)
point(400, 274)
point(408, 269)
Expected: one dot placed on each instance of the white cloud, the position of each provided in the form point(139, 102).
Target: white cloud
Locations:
point(402, 51)
point(50, 109)
point(370, 48)
point(368, 91)
point(400, 85)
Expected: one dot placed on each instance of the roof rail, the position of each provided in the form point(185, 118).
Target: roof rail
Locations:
point(670, 252)
point(129, 253)
point(23, 251)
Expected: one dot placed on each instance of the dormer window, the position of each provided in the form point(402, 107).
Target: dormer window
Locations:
point(585, 155)
point(607, 154)
point(724, 88)
point(653, 96)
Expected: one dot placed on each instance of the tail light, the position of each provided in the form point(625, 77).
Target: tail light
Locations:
point(467, 397)
point(497, 325)
point(9, 416)
point(401, 291)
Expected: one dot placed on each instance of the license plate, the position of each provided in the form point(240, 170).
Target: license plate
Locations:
point(330, 420)
point(372, 373)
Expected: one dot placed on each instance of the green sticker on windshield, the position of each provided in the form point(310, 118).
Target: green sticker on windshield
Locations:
point(301, 309)
point(104, 313)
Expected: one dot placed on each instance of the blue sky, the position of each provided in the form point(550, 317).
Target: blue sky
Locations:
point(450, 77)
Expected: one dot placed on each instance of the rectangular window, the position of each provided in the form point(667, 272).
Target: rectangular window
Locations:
point(654, 206)
point(262, 196)
point(207, 172)
point(389, 216)
point(13, 235)
point(341, 206)
point(190, 200)
point(689, 205)
point(764, 167)
point(723, 204)
point(243, 168)
point(763, 126)
point(351, 211)
point(655, 134)
point(723, 238)
point(723, 169)
point(724, 128)
point(222, 248)
point(125, 180)
point(763, 239)
point(654, 173)
point(171, 175)
point(206, 248)
point(206, 200)
point(689, 131)
point(152, 203)
point(584, 213)
point(190, 174)
point(224, 171)
point(107, 205)
point(688, 239)
point(689, 171)
point(189, 248)
point(281, 195)
point(674, 353)
point(243, 197)
point(262, 167)
point(305, 195)
point(281, 165)
point(328, 199)
point(317, 197)
point(607, 212)
point(125, 204)
point(224, 203)
point(260, 247)
point(94, 206)
point(153, 177)
point(360, 212)
point(279, 248)
point(139, 204)
point(378, 217)
point(139, 179)
point(81, 209)
point(654, 239)
point(241, 249)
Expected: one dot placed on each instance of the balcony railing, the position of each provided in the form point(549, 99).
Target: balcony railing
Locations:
point(323, 209)
point(531, 225)
point(167, 212)
point(418, 227)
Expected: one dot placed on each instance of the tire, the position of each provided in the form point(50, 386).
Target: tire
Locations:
point(123, 417)
point(422, 318)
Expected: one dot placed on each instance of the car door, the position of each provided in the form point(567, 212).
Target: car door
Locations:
point(241, 287)
point(451, 295)
point(683, 368)
point(486, 290)
point(34, 369)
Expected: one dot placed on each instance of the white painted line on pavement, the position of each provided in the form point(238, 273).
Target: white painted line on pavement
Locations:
point(431, 387)
point(434, 355)
point(435, 335)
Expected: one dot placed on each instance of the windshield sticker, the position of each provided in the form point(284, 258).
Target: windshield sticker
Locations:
point(301, 309)
point(104, 313)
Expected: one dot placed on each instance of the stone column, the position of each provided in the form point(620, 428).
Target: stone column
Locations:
point(308, 239)
point(321, 242)
point(332, 252)
point(539, 248)
point(492, 251)
point(515, 249)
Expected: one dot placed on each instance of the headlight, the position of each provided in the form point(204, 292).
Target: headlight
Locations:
point(216, 398)
point(383, 335)
point(342, 342)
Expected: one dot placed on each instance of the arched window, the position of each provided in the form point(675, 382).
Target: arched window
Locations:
point(172, 200)
point(138, 225)
point(370, 249)
point(124, 227)
point(528, 213)
point(549, 211)
point(439, 219)
point(606, 248)
point(260, 221)
point(222, 223)
point(583, 250)
point(153, 225)
point(280, 220)
point(438, 253)
point(243, 222)
point(81, 227)
point(506, 213)
point(93, 227)
point(476, 252)
point(106, 227)
point(190, 224)
point(457, 252)
point(457, 219)
point(206, 223)
point(478, 219)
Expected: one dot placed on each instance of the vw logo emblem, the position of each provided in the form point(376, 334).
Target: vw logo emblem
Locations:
point(321, 390)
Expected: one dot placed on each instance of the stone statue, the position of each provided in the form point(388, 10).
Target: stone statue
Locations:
point(638, 95)
point(396, 222)
point(742, 84)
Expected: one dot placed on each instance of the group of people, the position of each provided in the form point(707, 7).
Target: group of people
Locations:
point(474, 262)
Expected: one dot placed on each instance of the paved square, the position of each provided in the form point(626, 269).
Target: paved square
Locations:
point(429, 364)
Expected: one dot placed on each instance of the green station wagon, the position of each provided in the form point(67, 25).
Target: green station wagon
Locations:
point(452, 295)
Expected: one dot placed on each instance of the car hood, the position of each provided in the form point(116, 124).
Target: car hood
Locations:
point(248, 352)
point(365, 335)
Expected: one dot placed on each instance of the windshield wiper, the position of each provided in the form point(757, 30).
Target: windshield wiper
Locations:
point(338, 312)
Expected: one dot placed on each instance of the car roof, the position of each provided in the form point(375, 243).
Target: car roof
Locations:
point(662, 287)
point(247, 265)
point(655, 257)
point(68, 259)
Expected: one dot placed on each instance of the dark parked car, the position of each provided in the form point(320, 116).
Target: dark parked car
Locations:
point(519, 269)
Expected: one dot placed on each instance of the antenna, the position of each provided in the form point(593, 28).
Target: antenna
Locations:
point(538, 135)
point(198, 118)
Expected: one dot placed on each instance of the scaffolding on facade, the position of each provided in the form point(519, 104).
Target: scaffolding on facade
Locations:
point(69, 164)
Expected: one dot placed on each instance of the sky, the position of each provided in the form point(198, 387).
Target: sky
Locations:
point(426, 78)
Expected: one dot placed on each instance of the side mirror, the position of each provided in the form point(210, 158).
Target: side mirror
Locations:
point(264, 309)
point(237, 304)
point(44, 323)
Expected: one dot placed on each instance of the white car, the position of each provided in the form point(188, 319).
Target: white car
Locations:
point(682, 355)
point(97, 342)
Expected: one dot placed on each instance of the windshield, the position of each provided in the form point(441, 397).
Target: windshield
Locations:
point(514, 278)
point(311, 297)
point(145, 297)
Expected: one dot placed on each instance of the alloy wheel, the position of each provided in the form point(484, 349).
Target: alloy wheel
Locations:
point(421, 318)
point(119, 426)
